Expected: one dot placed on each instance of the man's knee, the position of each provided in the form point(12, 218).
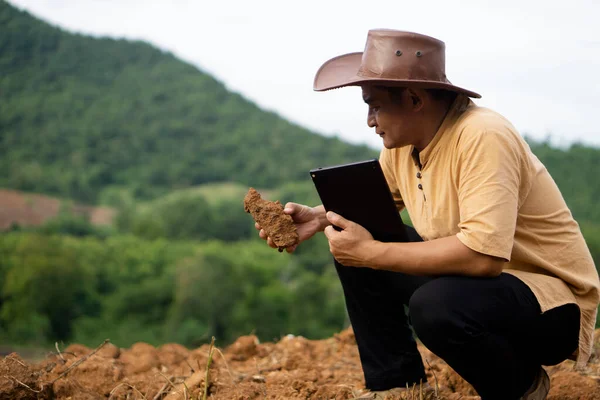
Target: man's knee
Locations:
point(424, 316)
point(434, 313)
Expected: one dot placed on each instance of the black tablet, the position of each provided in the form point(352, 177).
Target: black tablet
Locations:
point(359, 192)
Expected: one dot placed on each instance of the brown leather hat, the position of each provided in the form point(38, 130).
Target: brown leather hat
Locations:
point(391, 58)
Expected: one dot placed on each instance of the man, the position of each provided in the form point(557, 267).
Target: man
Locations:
point(503, 282)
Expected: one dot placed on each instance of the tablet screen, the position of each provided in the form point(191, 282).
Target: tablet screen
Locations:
point(359, 192)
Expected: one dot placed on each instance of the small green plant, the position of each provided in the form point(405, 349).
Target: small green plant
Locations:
point(211, 351)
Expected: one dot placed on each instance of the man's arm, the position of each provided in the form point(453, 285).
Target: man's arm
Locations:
point(444, 256)
point(321, 217)
point(354, 246)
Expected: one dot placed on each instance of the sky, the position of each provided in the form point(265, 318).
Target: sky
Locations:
point(535, 62)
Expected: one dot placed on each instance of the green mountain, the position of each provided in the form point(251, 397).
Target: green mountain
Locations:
point(81, 114)
point(85, 118)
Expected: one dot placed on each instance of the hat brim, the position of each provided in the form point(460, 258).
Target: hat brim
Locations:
point(342, 71)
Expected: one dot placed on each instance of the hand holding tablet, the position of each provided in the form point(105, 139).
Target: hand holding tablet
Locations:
point(359, 193)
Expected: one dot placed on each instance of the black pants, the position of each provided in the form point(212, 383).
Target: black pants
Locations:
point(489, 330)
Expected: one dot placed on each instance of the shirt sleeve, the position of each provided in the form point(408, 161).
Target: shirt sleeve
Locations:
point(387, 165)
point(488, 171)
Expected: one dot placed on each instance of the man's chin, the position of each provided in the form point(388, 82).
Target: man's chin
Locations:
point(392, 145)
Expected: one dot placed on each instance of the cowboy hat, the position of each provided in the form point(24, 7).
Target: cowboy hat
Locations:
point(391, 58)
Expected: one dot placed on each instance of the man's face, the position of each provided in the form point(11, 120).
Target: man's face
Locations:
point(392, 116)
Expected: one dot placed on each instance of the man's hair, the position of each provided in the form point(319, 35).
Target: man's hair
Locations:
point(443, 95)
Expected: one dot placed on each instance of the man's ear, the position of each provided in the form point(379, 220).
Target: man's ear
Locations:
point(416, 98)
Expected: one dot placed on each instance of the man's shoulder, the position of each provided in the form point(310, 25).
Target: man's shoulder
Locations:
point(476, 118)
point(481, 123)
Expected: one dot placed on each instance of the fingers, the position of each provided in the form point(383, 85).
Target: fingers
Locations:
point(271, 243)
point(330, 232)
point(338, 220)
point(296, 210)
point(292, 208)
point(263, 235)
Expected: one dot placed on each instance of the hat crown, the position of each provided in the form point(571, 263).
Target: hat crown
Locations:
point(400, 55)
point(390, 58)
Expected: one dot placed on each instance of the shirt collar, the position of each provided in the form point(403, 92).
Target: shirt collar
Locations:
point(459, 105)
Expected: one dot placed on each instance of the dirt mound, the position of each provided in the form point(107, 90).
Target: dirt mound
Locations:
point(293, 368)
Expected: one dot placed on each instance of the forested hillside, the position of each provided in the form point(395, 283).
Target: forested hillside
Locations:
point(82, 115)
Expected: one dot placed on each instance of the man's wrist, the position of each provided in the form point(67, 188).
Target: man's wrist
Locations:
point(321, 215)
point(371, 251)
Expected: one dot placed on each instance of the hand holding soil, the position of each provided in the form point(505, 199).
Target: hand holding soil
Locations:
point(269, 215)
point(308, 221)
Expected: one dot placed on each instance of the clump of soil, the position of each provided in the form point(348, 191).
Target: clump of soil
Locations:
point(18, 380)
point(269, 215)
point(293, 368)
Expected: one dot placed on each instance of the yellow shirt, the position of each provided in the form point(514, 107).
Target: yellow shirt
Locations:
point(479, 180)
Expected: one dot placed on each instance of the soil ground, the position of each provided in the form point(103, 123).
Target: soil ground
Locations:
point(27, 209)
point(293, 368)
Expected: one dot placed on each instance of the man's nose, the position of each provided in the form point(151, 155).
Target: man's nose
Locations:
point(371, 122)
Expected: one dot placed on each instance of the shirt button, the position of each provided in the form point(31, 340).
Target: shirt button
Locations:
point(419, 175)
point(420, 186)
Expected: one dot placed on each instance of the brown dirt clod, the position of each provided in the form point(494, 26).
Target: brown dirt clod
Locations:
point(269, 215)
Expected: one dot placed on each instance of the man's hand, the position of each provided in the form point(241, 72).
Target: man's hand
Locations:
point(308, 221)
point(349, 247)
